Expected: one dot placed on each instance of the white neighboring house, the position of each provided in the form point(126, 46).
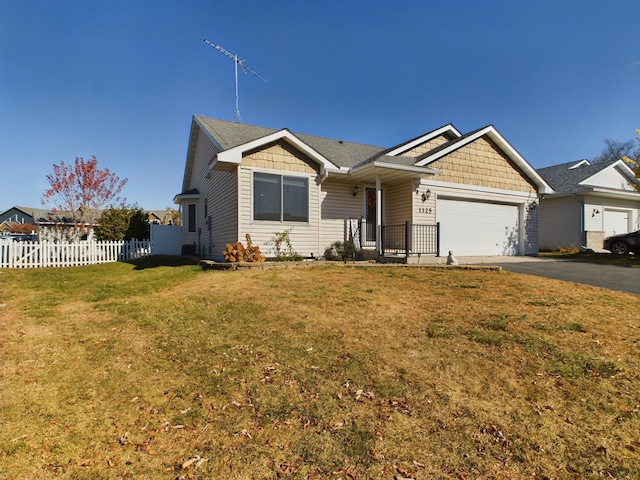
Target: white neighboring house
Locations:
point(241, 179)
point(591, 202)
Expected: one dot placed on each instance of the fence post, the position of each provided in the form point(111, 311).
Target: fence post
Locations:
point(437, 239)
point(407, 225)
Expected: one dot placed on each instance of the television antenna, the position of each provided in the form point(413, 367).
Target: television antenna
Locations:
point(245, 69)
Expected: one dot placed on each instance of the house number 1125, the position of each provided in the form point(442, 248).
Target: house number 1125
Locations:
point(425, 210)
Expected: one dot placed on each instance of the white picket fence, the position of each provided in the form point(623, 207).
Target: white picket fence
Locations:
point(48, 254)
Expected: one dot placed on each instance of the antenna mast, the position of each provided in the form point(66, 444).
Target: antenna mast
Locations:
point(245, 69)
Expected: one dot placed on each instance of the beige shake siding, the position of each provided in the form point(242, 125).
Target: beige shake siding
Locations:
point(481, 163)
point(426, 146)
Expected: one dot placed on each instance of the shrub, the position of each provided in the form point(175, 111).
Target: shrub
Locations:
point(283, 249)
point(341, 251)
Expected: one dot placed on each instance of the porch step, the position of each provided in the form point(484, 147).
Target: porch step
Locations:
point(413, 259)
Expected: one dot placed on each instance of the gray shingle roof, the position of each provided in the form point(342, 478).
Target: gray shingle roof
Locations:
point(564, 179)
point(232, 134)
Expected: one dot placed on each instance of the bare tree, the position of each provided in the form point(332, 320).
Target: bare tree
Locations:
point(616, 149)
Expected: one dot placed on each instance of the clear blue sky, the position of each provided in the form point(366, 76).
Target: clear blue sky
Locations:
point(121, 79)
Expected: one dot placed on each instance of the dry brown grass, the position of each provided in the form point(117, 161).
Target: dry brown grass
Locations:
point(331, 372)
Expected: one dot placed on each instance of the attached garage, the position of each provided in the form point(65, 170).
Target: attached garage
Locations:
point(472, 228)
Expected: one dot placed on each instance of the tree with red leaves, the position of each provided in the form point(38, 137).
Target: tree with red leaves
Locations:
point(80, 190)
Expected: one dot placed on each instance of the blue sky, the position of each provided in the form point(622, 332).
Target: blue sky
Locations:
point(121, 79)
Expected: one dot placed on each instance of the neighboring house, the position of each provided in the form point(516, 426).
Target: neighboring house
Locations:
point(17, 215)
point(591, 202)
point(241, 179)
point(18, 221)
point(168, 216)
point(56, 226)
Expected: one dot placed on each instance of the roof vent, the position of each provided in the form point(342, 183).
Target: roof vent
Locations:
point(580, 163)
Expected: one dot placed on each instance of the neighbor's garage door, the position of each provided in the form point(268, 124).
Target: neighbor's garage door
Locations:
point(615, 222)
point(477, 228)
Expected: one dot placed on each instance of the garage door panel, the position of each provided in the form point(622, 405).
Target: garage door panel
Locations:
point(615, 222)
point(477, 228)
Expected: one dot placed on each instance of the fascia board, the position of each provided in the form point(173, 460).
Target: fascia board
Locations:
point(180, 197)
point(476, 190)
point(626, 170)
point(424, 138)
point(491, 132)
point(391, 166)
point(626, 194)
point(234, 155)
point(599, 192)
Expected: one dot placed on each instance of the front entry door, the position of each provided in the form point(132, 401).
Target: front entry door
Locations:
point(370, 216)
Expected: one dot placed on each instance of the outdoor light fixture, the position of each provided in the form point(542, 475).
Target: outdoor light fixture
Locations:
point(595, 212)
point(355, 191)
point(533, 206)
point(426, 195)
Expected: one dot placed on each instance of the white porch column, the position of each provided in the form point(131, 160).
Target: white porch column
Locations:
point(378, 215)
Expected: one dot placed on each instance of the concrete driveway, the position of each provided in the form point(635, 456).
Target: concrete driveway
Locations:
point(624, 279)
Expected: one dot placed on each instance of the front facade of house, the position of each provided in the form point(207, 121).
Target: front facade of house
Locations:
point(241, 179)
point(591, 202)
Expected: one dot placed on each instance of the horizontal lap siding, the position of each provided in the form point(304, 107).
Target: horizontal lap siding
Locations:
point(610, 178)
point(222, 192)
point(205, 152)
point(399, 203)
point(595, 222)
point(337, 206)
point(280, 158)
point(560, 223)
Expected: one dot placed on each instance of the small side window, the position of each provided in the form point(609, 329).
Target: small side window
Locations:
point(191, 217)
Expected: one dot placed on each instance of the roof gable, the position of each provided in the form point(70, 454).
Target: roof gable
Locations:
point(447, 130)
point(574, 176)
point(492, 134)
point(233, 139)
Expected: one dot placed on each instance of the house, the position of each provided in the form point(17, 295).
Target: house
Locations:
point(591, 201)
point(17, 221)
point(168, 216)
point(473, 194)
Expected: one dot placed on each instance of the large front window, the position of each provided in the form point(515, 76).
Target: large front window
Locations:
point(280, 198)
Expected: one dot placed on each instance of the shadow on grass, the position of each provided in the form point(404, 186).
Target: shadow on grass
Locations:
point(163, 261)
point(602, 258)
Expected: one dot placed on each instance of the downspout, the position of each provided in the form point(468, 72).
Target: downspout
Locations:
point(582, 219)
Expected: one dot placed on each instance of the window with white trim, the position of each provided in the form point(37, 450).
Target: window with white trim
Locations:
point(191, 218)
point(280, 198)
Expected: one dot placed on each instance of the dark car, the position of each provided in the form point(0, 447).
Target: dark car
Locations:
point(623, 243)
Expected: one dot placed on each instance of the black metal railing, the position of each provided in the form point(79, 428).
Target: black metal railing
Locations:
point(411, 239)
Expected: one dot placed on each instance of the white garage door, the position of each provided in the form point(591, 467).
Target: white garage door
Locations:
point(615, 222)
point(477, 228)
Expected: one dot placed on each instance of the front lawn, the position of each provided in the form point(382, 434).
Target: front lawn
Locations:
point(144, 371)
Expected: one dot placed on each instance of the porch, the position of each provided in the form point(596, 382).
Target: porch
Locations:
point(403, 243)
